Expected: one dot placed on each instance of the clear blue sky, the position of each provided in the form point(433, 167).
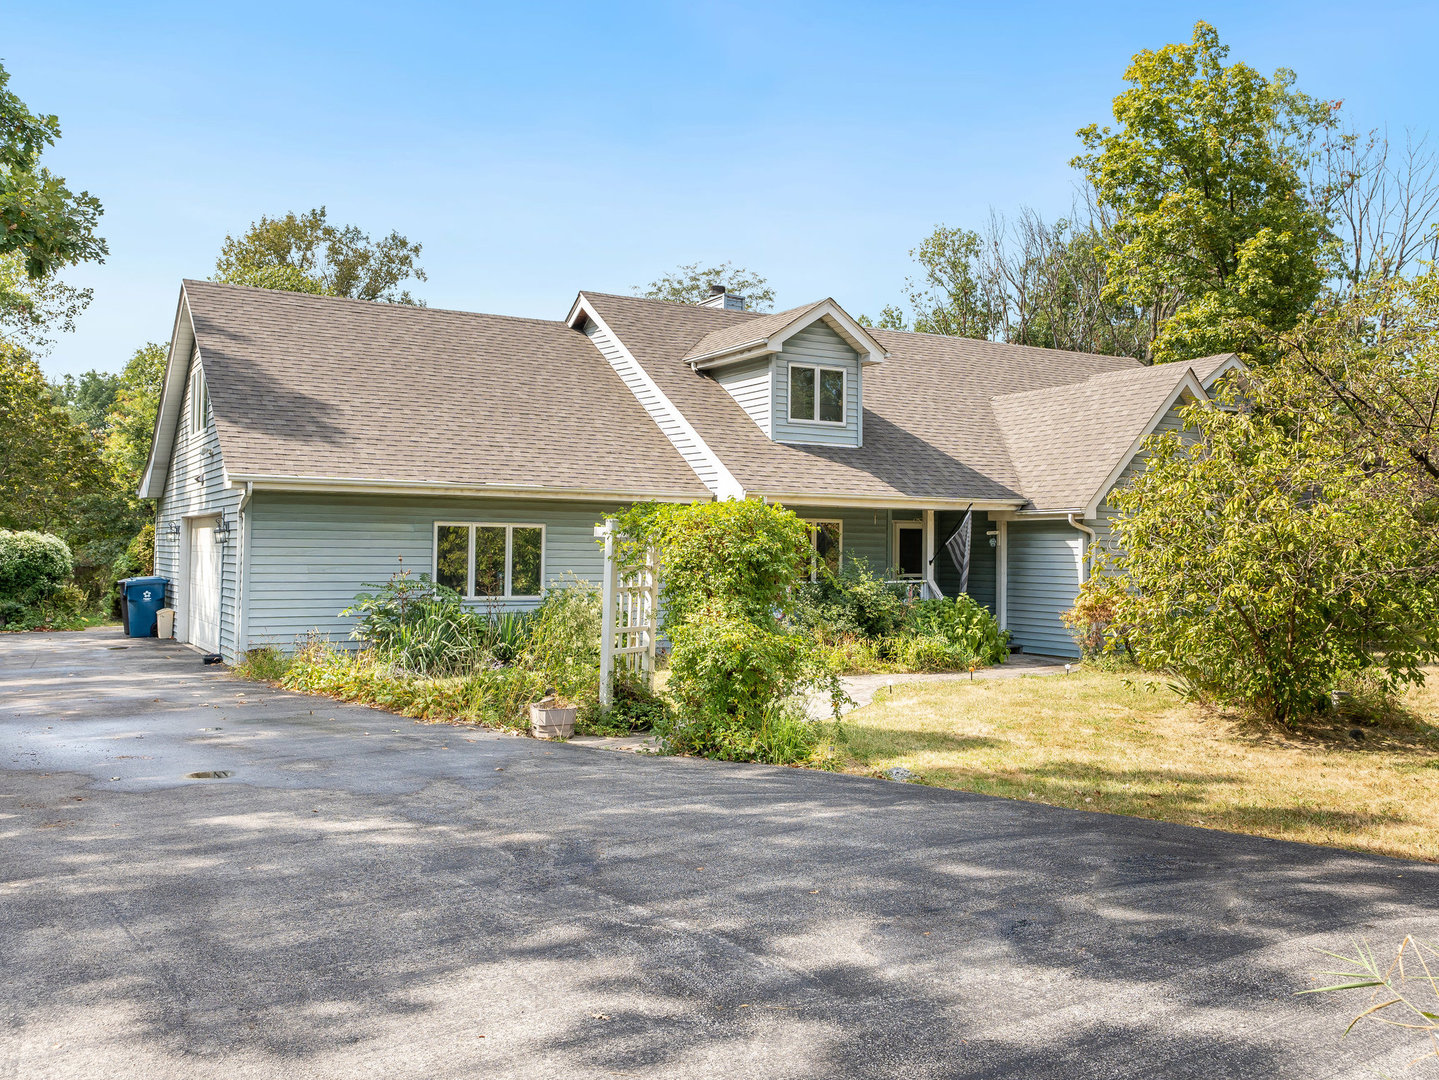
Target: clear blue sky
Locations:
point(539, 149)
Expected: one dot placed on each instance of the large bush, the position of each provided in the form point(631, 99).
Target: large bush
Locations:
point(853, 602)
point(1264, 564)
point(563, 642)
point(33, 566)
point(964, 624)
point(729, 571)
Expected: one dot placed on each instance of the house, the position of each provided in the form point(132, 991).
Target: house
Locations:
point(307, 446)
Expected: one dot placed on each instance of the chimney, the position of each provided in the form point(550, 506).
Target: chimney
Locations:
point(721, 297)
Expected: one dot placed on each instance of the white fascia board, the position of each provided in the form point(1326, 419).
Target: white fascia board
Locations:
point(1232, 364)
point(1188, 385)
point(352, 486)
point(871, 351)
point(727, 487)
point(724, 359)
point(1035, 515)
point(172, 396)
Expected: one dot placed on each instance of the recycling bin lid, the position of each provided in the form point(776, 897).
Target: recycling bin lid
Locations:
point(143, 582)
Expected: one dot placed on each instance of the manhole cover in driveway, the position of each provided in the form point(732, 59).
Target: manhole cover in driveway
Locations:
point(210, 774)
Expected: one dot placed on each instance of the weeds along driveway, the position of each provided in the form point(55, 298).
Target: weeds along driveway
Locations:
point(369, 896)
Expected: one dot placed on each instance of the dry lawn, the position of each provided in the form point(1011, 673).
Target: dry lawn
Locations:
point(1128, 745)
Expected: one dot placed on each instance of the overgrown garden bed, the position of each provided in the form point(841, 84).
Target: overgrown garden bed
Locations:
point(750, 641)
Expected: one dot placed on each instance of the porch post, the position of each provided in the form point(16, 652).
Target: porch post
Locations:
point(1001, 574)
point(607, 615)
point(929, 579)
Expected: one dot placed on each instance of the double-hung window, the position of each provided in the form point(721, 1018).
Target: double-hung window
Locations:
point(486, 561)
point(825, 541)
point(816, 394)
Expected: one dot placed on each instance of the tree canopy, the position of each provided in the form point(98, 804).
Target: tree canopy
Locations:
point(41, 220)
point(48, 461)
point(1205, 174)
point(305, 253)
point(690, 284)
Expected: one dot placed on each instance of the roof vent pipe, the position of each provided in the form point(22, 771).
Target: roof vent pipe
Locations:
point(721, 297)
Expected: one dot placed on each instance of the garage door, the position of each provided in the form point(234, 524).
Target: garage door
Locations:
point(202, 594)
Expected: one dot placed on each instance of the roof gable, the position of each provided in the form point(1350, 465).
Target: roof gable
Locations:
point(1067, 443)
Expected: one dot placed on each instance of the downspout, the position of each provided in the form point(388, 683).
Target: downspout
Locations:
point(1090, 536)
point(242, 576)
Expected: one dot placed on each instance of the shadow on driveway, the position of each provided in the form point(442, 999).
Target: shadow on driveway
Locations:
point(367, 895)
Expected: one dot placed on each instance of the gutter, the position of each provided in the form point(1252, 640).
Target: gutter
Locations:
point(332, 484)
point(1092, 537)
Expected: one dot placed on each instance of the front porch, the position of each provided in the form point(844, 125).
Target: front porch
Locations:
point(906, 545)
point(1026, 572)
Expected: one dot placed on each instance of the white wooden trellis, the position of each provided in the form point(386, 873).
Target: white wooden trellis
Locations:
point(629, 613)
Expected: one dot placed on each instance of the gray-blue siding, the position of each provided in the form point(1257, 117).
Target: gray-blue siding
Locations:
point(820, 345)
point(310, 554)
point(1043, 580)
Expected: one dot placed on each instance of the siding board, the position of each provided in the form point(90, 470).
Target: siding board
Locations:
point(750, 383)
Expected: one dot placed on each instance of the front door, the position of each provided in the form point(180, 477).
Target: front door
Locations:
point(202, 593)
point(909, 549)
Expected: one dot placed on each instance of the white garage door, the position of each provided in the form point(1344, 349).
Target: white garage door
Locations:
point(203, 585)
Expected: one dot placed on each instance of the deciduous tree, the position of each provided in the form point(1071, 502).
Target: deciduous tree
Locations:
point(42, 221)
point(305, 253)
point(48, 462)
point(1217, 239)
point(1263, 564)
point(690, 284)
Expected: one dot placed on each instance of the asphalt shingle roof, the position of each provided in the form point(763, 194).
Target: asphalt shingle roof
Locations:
point(1065, 441)
point(744, 331)
point(929, 426)
point(306, 386)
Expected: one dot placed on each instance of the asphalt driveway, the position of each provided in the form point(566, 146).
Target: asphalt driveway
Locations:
point(367, 896)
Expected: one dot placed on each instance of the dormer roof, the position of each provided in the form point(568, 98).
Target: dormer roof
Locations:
point(764, 334)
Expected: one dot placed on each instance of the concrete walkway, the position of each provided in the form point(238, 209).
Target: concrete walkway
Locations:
point(208, 879)
point(862, 688)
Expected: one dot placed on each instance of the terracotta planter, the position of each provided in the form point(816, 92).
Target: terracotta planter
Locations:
point(548, 721)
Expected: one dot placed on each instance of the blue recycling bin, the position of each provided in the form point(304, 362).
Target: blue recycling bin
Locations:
point(143, 597)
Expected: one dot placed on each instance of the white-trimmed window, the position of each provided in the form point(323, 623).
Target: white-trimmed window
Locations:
point(826, 541)
point(490, 561)
point(199, 400)
point(816, 394)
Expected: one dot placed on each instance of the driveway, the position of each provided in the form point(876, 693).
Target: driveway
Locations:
point(366, 896)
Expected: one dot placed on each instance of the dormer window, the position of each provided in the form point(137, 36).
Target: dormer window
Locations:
point(816, 394)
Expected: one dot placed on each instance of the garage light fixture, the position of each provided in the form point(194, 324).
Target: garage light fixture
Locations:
point(222, 529)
